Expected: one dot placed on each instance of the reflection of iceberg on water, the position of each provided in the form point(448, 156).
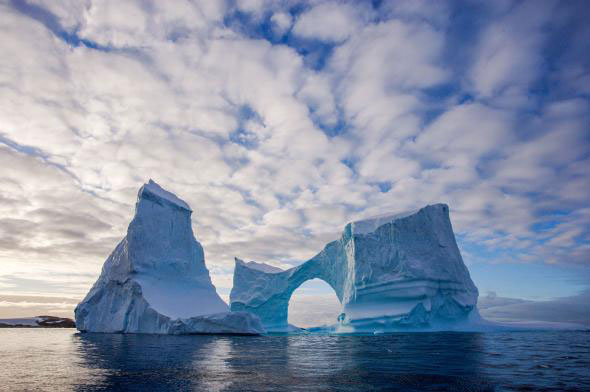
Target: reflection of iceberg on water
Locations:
point(393, 272)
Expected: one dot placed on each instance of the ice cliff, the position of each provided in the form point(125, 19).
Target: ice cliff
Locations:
point(156, 281)
point(393, 272)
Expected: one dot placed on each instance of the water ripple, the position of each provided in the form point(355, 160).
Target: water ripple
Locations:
point(42, 360)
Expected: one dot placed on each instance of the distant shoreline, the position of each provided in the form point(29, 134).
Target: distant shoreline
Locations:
point(32, 326)
point(38, 322)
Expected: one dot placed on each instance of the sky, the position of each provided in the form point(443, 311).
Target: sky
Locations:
point(281, 121)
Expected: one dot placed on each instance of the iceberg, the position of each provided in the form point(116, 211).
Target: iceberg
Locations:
point(156, 281)
point(392, 272)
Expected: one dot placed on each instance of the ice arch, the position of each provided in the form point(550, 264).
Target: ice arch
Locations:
point(390, 272)
point(266, 291)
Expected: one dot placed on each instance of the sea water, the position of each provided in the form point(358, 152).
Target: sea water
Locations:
point(65, 360)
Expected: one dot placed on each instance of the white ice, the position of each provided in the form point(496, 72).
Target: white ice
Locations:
point(263, 267)
point(369, 225)
point(395, 271)
point(156, 281)
point(154, 188)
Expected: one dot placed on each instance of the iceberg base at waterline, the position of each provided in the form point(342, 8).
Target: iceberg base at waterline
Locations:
point(121, 308)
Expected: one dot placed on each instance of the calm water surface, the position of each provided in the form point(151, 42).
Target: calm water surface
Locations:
point(63, 360)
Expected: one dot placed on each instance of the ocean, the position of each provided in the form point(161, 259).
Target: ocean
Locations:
point(65, 360)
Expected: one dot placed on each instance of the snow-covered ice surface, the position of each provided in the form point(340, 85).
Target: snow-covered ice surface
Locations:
point(393, 272)
point(163, 195)
point(371, 224)
point(263, 267)
point(156, 281)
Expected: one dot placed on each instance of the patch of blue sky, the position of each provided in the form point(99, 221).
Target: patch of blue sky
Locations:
point(351, 162)
point(554, 212)
point(384, 186)
point(548, 220)
point(465, 98)
point(481, 253)
point(438, 98)
point(501, 269)
point(330, 130)
point(441, 91)
point(245, 112)
point(534, 281)
point(315, 52)
point(241, 135)
point(252, 26)
point(32, 151)
point(543, 226)
point(74, 40)
point(244, 138)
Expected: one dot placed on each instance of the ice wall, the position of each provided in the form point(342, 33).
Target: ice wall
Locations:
point(390, 272)
point(156, 281)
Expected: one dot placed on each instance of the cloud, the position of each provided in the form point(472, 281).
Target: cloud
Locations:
point(567, 310)
point(28, 306)
point(139, 24)
point(282, 22)
point(328, 21)
point(436, 13)
point(278, 122)
point(509, 55)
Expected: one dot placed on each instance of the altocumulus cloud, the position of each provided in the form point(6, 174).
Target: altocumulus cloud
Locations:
point(279, 121)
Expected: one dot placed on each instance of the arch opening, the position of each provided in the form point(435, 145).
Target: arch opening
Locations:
point(313, 304)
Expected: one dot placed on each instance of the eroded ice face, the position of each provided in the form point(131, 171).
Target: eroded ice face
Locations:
point(156, 280)
point(391, 271)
